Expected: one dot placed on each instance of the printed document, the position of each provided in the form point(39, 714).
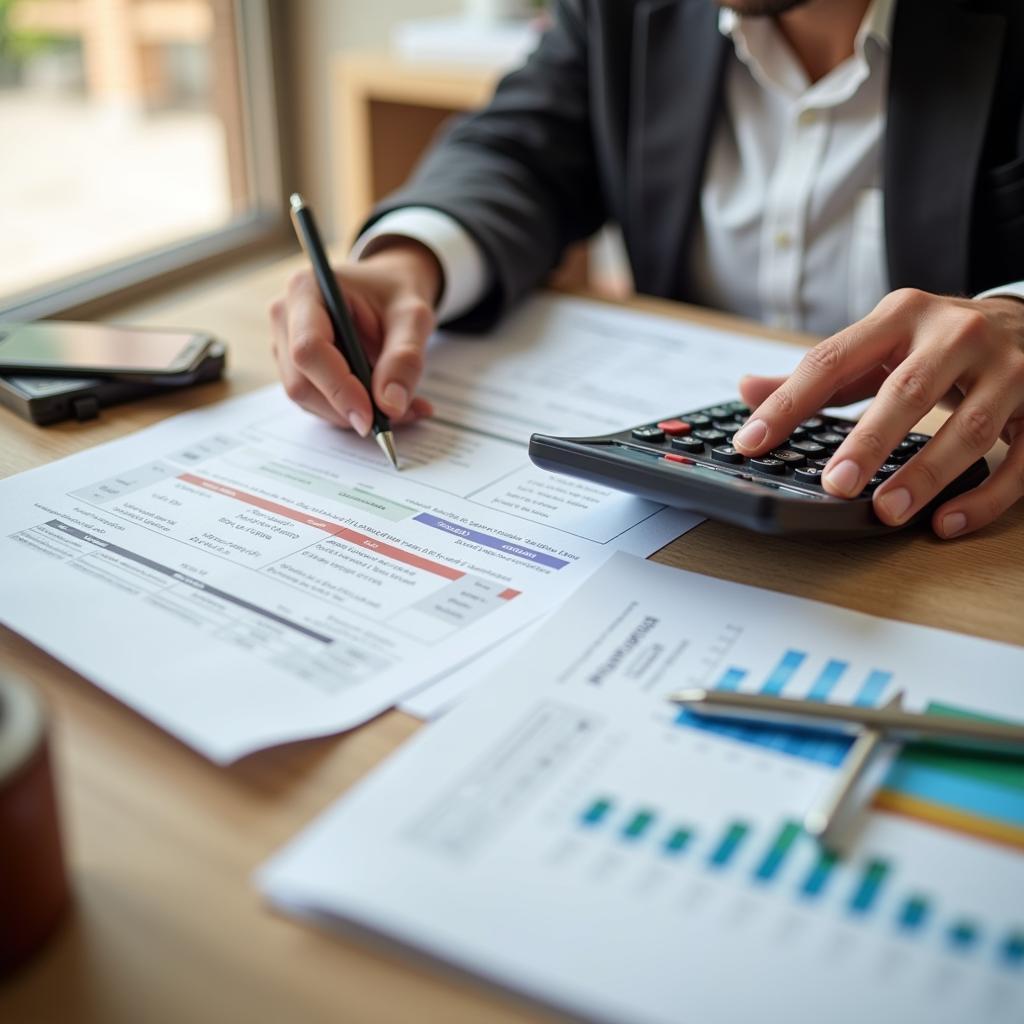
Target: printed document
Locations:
point(588, 368)
point(569, 834)
point(246, 575)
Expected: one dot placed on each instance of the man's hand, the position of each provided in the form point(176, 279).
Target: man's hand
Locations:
point(912, 351)
point(391, 295)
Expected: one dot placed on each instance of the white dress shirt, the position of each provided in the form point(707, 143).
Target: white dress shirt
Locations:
point(791, 227)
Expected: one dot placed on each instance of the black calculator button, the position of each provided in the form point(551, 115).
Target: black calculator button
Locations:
point(918, 438)
point(674, 427)
point(808, 447)
point(798, 432)
point(688, 444)
point(820, 463)
point(697, 419)
point(739, 409)
point(729, 426)
point(870, 486)
point(720, 412)
point(907, 446)
point(887, 469)
point(768, 465)
point(726, 453)
point(648, 434)
point(829, 438)
point(711, 436)
point(808, 475)
point(841, 428)
point(813, 423)
point(790, 458)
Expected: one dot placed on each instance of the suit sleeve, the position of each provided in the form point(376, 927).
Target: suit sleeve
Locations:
point(519, 175)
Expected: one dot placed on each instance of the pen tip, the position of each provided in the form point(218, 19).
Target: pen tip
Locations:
point(297, 201)
point(387, 444)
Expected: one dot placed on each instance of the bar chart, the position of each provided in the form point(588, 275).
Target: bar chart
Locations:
point(856, 887)
point(975, 795)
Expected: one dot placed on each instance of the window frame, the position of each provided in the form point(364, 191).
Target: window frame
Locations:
point(262, 228)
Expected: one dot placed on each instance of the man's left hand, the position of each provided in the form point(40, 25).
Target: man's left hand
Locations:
point(912, 351)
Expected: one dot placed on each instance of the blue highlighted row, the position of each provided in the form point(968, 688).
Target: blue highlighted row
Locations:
point(488, 541)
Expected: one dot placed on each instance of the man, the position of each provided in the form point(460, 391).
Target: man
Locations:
point(812, 163)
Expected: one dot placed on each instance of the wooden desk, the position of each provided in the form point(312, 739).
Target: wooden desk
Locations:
point(168, 926)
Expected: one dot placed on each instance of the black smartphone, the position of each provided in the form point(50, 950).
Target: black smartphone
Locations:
point(46, 400)
point(57, 349)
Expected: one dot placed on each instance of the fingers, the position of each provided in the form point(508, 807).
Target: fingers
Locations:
point(990, 499)
point(409, 322)
point(313, 359)
point(965, 437)
point(823, 372)
point(754, 390)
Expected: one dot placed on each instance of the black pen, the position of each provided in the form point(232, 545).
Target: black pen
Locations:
point(345, 337)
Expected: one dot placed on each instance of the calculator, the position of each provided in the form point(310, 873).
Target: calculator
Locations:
point(687, 460)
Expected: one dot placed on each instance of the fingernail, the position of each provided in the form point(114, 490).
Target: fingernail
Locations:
point(845, 478)
point(396, 397)
point(953, 523)
point(360, 423)
point(895, 503)
point(751, 434)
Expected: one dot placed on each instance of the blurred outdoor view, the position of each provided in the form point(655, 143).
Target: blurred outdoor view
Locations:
point(122, 131)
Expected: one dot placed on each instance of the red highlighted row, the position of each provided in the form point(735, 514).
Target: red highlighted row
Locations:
point(361, 540)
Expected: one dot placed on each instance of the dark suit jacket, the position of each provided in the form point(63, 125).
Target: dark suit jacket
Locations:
point(611, 119)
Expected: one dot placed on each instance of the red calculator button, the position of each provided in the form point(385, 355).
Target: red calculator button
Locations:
point(674, 427)
point(672, 457)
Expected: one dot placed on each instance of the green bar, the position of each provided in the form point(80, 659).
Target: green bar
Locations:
point(963, 934)
point(730, 844)
point(998, 770)
point(678, 840)
point(864, 896)
point(819, 874)
point(638, 824)
point(914, 913)
point(769, 867)
point(596, 812)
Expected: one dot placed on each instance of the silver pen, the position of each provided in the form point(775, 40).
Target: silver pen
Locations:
point(825, 821)
point(895, 723)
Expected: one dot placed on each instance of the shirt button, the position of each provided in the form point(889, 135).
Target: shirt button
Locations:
point(783, 239)
point(808, 117)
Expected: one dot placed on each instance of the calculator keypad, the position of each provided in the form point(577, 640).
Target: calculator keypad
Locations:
point(705, 435)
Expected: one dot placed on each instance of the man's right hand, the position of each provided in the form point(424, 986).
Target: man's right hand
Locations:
point(391, 295)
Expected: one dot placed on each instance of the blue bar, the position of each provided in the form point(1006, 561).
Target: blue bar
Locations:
point(773, 860)
point(819, 875)
point(873, 688)
point(825, 683)
point(963, 935)
point(783, 672)
point(869, 886)
point(731, 679)
point(914, 914)
point(1012, 950)
point(729, 845)
point(983, 799)
point(596, 812)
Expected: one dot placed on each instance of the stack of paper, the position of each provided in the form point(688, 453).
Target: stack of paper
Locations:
point(569, 834)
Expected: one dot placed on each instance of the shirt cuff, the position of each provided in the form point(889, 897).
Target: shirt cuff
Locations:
point(1013, 291)
point(467, 276)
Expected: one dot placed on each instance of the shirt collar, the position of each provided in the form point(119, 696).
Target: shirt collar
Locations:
point(877, 24)
point(755, 40)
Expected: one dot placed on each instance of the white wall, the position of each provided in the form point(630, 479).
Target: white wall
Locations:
point(320, 29)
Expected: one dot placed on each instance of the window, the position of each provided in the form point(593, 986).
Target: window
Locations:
point(140, 136)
